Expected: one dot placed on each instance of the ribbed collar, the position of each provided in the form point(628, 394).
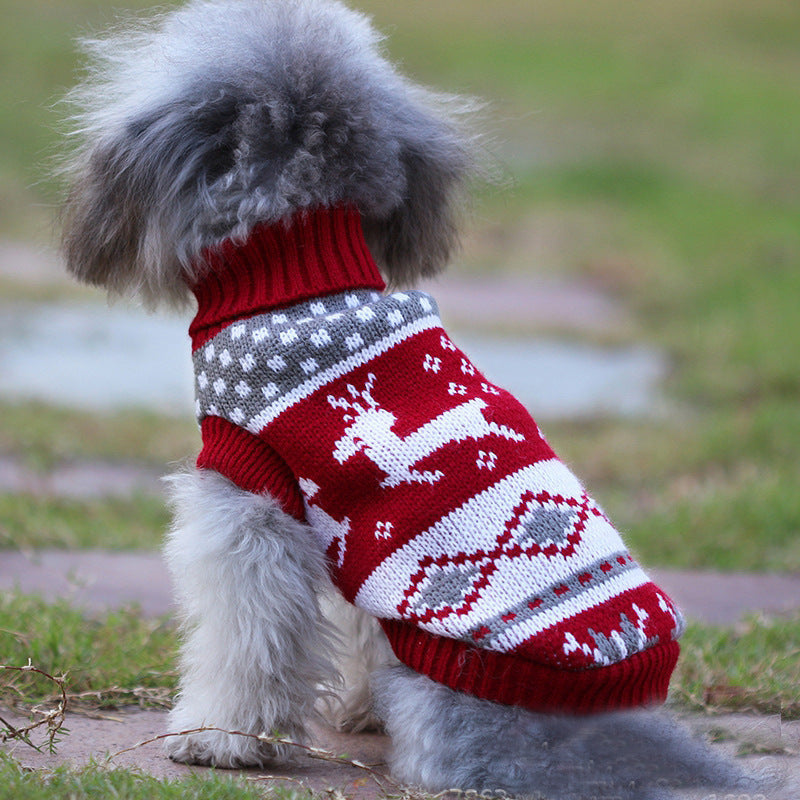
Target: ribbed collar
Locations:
point(317, 252)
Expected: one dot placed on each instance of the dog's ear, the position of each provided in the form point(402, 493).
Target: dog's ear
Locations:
point(437, 158)
point(137, 191)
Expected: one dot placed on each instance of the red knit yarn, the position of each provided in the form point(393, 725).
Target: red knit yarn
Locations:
point(317, 252)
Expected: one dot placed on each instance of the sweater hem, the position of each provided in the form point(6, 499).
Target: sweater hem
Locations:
point(639, 680)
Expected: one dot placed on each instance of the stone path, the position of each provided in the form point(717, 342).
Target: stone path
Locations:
point(511, 327)
point(97, 579)
point(80, 479)
point(96, 739)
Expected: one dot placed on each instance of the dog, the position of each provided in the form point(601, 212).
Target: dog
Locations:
point(264, 160)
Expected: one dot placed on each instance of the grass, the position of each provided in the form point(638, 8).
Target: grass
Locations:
point(37, 64)
point(43, 435)
point(754, 667)
point(120, 656)
point(98, 782)
point(30, 522)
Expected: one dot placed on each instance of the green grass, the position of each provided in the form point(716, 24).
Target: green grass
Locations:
point(120, 651)
point(44, 435)
point(99, 783)
point(754, 667)
point(37, 66)
point(29, 522)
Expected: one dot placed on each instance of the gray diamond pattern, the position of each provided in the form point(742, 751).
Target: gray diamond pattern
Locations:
point(545, 525)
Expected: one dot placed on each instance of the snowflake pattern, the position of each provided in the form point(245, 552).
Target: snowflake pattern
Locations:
point(284, 352)
point(486, 460)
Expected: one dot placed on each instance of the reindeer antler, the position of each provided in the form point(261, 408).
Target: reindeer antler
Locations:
point(347, 405)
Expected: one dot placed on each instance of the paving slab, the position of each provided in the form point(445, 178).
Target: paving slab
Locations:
point(502, 301)
point(96, 580)
point(92, 579)
point(776, 746)
point(129, 738)
point(80, 479)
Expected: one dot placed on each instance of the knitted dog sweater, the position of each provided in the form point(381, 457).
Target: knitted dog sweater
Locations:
point(442, 509)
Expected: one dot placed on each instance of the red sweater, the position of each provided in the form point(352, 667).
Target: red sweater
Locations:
point(443, 510)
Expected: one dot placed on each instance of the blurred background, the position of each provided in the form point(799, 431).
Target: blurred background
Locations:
point(635, 275)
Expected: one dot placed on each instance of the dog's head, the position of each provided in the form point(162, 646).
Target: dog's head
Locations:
point(197, 125)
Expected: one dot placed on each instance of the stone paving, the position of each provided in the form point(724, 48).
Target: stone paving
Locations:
point(96, 580)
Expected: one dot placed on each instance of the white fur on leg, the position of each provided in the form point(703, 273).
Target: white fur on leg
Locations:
point(255, 646)
point(365, 649)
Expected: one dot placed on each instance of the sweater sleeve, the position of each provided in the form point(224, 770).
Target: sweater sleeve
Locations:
point(249, 462)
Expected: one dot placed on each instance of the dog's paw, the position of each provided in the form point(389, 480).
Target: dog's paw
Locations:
point(212, 748)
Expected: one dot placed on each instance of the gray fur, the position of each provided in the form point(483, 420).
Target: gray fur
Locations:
point(443, 739)
point(255, 648)
point(194, 126)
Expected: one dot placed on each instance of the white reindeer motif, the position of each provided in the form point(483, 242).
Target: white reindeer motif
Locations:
point(328, 529)
point(370, 431)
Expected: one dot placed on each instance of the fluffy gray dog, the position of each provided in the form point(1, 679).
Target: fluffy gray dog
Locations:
point(259, 155)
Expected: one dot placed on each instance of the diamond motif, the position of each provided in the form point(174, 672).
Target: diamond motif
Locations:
point(446, 588)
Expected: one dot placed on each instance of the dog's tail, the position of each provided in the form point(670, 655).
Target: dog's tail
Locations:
point(194, 126)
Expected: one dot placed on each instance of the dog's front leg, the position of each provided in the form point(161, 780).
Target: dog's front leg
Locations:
point(255, 645)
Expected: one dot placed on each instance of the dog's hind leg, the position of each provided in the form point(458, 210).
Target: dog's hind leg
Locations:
point(255, 645)
point(442, 739)
point(349, 706)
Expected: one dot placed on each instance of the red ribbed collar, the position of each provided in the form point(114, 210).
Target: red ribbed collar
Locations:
point(316, 253)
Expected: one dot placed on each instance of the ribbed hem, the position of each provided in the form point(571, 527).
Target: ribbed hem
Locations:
point(640, 680)
point(249, 462)
point(317, 252)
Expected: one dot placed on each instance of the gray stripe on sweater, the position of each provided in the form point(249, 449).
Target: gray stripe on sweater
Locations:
point(253, 369)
